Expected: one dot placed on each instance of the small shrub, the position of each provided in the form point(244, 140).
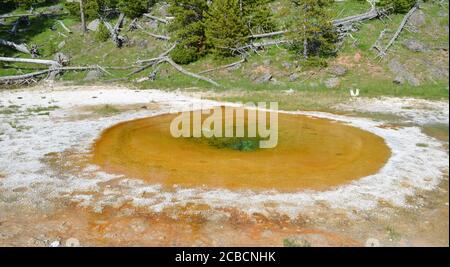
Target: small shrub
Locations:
point(102, 33)
point(399, 6)
point(133, 8)
point(184, 55)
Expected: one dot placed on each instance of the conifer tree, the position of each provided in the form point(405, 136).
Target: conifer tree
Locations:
point(225, 26)
point(257, 15)
point(312, 32)
point(188, 29)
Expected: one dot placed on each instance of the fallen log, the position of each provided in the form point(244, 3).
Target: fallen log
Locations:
point(256, 46)
point(338, 23)
point(165, 53)
point(185, 72)
point(371, 14)
point(64, 26)
point(165, 20)
point(19, 47)
point(7, 79)
point(269, 34)
point(6, 16)
point(399, 30)
point(157, 36)
point(224, 67)
point(51, 71)
point(114, 31)
point(31, 60)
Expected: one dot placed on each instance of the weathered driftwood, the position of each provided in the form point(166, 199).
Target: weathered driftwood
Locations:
point(64, 26)
point(377, 44)
point(338, 23)
point(371, 14)
point(19, 47)
point(31, 60)
point(6, 16)
point(114, 31)
point(269, 34)
point(165, 53)
point(157, 36)
point(256, 46)
point(224, 67)
point(383, 52)
point(185, 72)
point(9, 79)
point(51, 72)
point(162, 20)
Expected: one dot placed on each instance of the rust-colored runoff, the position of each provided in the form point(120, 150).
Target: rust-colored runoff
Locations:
point(312, 153)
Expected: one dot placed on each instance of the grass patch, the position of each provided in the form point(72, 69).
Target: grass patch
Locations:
point(107, 110)
point(421, 145)
point(393, 235)
point(440, 131)
point(243, 144)
point(42, 110)
point(9, 110)
point(291, 243)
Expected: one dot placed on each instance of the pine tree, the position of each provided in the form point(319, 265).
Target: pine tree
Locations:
point(225, 26)
point(399, 6)
point(134, 8)
point(188, 29)
point(257, 15)
point(312, 32)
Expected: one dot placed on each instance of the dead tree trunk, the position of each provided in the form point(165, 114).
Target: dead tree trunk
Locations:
point(114, 31)
point(162, 20)
point(224, 67)
point(185, 72)
point(399, 30)
point(83, 19)
point(64, 26)
point(157, 36)
point(19, 47)
point(32, 61)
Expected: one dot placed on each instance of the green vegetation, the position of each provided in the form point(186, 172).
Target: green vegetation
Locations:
point(244, 144)
point(107, 110)
point(400, 6)
point(393, 235)
point(289, 70)
point(312, 33)
point(292, 243)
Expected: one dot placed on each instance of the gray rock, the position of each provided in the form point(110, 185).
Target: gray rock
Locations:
point(93, 75)
point(286, 65)
point(61, 58)
point(414, 45)
point(264, 78)
point(338, 70)
point(93, 25)
point(436, 71)
point(332, 82)
point(293, 77)
point(417, 19)
point(402, 73)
